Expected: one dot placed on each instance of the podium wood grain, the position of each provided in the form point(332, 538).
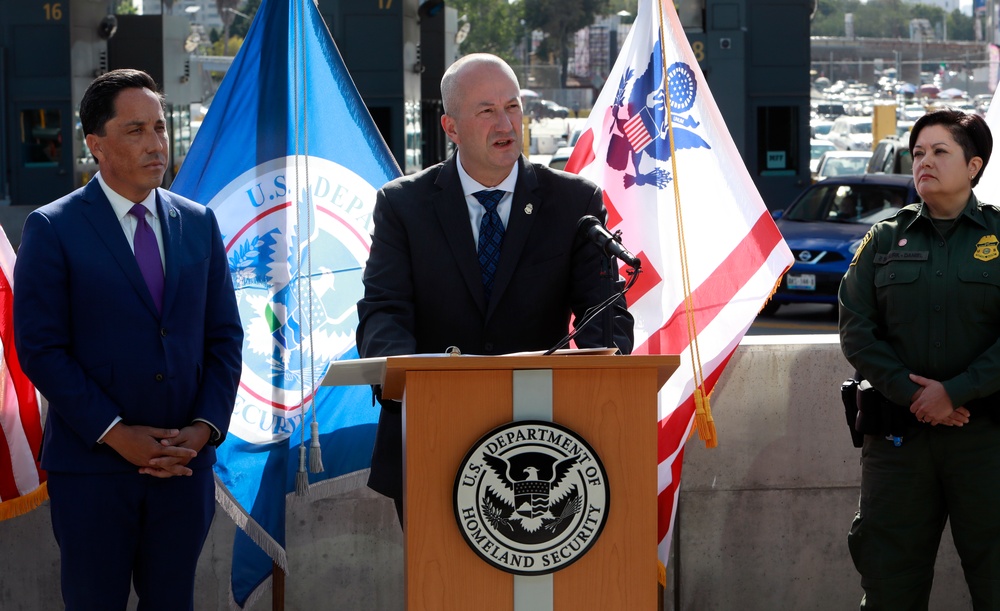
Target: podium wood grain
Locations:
point(451, 403)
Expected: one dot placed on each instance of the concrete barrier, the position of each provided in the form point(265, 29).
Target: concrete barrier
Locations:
point(762, 523)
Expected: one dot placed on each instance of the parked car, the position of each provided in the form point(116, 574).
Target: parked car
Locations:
point(891, 156)
point(560, 157)
point(851, 133)
point(824, 226)
point(841, 163)
point(817, 147)
point(539, 108)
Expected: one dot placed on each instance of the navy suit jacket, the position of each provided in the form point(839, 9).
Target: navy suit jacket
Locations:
point(90, 339)
point(423, 284)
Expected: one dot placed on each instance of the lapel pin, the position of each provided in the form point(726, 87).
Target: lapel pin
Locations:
point(173, 213)
point(528, 209)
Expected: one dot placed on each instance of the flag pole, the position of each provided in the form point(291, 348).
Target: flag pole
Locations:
point(703, 411)
point(277, 587)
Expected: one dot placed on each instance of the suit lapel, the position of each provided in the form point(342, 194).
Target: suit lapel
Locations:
point(453, 214)
point(523, 212)
point(102, 218)
point(170, 229)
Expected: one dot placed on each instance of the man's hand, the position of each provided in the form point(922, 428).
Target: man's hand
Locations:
point(193, 437)
point(932, 404)
point(141, 446)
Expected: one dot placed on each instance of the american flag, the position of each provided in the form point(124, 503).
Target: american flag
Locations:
point(687, 206)
point(22, 481)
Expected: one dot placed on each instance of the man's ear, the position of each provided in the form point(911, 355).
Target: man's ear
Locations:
point(448, 125)
point(95, 145)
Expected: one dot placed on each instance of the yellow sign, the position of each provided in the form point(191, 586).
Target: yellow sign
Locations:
point(986, 249)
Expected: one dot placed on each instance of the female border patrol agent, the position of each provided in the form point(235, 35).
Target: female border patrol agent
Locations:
point(920, 319)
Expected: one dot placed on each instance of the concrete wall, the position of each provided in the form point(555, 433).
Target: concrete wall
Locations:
point(762, 523)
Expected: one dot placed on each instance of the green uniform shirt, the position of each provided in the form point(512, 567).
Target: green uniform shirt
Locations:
point(916, 300)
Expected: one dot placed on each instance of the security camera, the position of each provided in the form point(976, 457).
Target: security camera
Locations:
point(108, 27)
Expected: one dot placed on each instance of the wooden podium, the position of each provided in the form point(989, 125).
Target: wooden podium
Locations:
point(450, 402)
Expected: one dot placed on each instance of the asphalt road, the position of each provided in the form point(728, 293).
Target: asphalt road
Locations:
point(797, 319)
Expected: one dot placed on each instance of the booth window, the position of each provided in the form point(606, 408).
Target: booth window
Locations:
point(778, 140)
point(41, 137)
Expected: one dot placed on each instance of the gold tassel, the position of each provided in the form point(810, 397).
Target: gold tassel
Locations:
point(661, 574)
point(704, 420)
point(315, 451)
point(302, 477)
point(23, 504)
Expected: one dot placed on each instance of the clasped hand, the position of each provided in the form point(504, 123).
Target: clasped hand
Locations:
point(158, 452)
point(932, 404)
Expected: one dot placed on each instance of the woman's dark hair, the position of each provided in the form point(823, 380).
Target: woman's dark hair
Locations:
point(970, 132)
point(98, 104)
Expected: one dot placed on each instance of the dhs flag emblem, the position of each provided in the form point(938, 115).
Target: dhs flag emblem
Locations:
point(531, 497)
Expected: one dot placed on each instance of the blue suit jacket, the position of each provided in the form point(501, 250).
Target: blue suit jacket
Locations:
point(90, 339)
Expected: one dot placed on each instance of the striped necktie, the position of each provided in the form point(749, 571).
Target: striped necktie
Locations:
point(490, 237)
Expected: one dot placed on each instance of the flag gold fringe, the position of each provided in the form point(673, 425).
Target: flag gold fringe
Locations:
point(661, 574)
point(25, 503)
point(703, 419)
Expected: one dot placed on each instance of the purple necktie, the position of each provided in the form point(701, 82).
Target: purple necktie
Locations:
point(147, 255)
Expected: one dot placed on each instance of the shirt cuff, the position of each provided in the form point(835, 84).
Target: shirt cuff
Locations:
point(111, 426)
point(215, 432)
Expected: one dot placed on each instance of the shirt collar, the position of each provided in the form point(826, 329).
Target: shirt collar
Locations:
point(471, 185)
point(122, 204)
point(971, 210)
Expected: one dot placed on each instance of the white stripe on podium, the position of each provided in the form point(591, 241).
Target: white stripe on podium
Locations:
point(533, 401)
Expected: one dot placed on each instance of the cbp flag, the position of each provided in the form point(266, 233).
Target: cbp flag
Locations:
point(290, 160)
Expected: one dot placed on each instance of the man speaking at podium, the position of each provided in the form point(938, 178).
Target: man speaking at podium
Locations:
point(480, 252)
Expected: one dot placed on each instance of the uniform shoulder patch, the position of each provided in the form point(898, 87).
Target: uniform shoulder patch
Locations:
point(861, 246)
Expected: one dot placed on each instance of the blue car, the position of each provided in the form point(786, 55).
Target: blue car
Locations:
point(824, 226)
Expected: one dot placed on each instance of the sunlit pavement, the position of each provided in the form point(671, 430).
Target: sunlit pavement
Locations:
point(797, 319)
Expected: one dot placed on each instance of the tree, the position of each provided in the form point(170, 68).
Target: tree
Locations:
point(226, 14)
point(125, 7)
point(560, 20)
point(241, 25)
point(494, 27)
point(961, 26)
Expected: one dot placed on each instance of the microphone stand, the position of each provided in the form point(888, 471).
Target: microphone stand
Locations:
point(608, 315)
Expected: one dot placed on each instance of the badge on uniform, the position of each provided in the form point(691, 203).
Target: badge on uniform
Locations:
point(986, 248)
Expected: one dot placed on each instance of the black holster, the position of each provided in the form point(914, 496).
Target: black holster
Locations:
point(870, 413)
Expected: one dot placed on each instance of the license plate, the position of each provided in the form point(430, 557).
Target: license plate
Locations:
point(801, 282)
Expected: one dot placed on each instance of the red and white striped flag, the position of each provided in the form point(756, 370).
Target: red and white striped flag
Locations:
point(22, 481)
point(686, 205)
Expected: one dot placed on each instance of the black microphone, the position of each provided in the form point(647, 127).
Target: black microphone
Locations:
point(610, 244)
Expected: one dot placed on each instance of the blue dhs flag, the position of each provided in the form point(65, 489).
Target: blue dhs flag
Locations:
point(290, 160)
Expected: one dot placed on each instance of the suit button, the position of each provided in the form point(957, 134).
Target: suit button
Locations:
point(163, 332)
point(488, 346)
point(159, 377)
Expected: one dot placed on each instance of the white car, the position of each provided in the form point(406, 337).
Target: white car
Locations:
point(560, 157)
point(817, 147)
point(842, 163)
point(852, 133)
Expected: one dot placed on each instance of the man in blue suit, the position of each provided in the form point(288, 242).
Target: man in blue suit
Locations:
point(126, 321)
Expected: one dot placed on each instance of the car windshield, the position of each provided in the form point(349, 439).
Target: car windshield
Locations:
point(863, 204)
point(861, 128)
point(844, 166)
point(817, 150)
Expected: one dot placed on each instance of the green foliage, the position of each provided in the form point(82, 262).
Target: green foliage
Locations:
point(494, 27)
point(240, 25)
point(125, 7)
point(885, 19)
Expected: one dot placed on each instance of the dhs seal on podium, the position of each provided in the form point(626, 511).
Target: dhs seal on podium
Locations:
point(531, 497)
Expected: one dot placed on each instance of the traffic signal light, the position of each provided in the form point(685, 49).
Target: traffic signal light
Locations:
point(429, 8)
